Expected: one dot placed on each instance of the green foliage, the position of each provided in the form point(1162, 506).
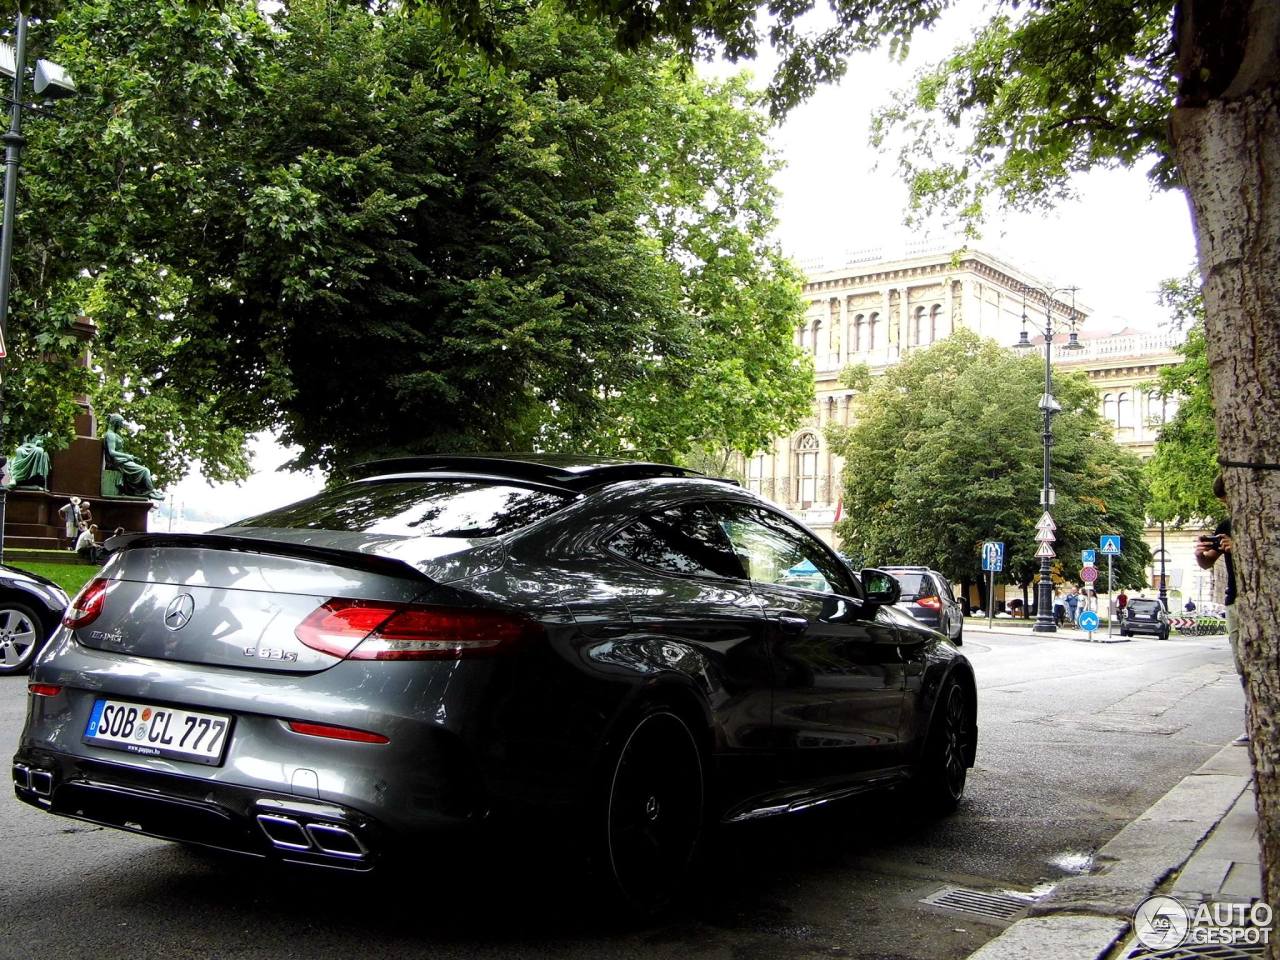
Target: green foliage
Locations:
point(1185, 462)
point(945, 452)
point(344, 226)
point(1052, 89)
point(69, 576)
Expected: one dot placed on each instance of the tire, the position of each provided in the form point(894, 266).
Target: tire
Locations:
point(21, 637)
point(654, 809)
point(959, 640)
point(943, 767)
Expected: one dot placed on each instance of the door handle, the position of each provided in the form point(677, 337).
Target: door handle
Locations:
point(792, 624)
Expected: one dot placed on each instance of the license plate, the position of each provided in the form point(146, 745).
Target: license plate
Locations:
point(152, 731)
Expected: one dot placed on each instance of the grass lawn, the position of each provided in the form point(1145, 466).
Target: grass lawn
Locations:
point(69, 576)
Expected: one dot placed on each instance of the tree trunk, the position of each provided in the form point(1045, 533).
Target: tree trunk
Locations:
point(1228, 149)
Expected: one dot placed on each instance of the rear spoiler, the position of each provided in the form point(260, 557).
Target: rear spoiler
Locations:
point(371, 562)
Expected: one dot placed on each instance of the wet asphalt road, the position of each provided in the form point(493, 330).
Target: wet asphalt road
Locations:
point(1076, 740)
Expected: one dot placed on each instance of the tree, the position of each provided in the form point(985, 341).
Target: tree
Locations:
point(423, 254)
point(1185, 462)
point(942, 455)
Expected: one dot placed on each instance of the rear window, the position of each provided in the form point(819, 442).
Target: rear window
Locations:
point(418, 508)
point(914, 585)
point(1144, 606)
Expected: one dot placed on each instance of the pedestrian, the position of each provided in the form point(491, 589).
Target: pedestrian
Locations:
point(86, 512)
point(1073, 604)
point(1190, 606)
point(87, 541)
point(1122, 601)
point(70, 513)
point(1208, 550)
point(1059, 608)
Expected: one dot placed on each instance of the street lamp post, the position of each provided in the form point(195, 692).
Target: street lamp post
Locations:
point(50, 81)
point(1048, 407)
point(1164, 591)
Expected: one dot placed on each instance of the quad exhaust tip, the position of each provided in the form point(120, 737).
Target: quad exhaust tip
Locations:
point(330, 839)
point(33, 779)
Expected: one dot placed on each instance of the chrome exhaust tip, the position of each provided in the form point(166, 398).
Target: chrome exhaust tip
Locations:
point(284, 832)
point(22, 776)
point(336, 841)
point(42, 782)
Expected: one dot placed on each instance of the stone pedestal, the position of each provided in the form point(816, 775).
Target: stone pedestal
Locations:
point(31, 517)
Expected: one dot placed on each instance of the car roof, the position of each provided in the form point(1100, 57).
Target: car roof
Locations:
point(574, 473)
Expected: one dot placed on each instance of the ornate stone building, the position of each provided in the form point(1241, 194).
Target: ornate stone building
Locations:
point(875, 311)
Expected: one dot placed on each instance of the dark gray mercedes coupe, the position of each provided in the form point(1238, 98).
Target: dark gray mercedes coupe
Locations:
point(625, 651)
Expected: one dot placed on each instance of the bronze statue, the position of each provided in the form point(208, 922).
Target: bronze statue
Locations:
point(134, 478)
point(30, 464)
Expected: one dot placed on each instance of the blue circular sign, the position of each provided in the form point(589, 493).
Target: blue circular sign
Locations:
point(1088, 621)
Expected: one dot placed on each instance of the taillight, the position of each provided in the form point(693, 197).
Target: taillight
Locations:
point(933, 603)
point(87, 605)
point(44, 689)
point(336, 733)
point(369, 630)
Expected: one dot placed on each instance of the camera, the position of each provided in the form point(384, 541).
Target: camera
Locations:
point(1214, 541)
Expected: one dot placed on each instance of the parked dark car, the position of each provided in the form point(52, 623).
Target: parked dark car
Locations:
point(1147, 617)
point(614, 649)
point(927, 596)
point(31, 608)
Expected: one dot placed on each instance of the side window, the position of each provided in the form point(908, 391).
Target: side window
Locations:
point(773, 550)
point(686, 540)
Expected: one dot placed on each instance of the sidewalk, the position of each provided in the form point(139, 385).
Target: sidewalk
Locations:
point(1199, 843)
point(976, 625)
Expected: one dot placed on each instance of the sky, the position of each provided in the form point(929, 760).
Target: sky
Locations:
point(1116, 241)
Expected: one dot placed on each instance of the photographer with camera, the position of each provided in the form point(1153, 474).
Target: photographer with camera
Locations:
point(1208, 550)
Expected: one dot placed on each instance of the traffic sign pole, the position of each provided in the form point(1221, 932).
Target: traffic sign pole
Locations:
point(1109, 601)
point(991, 598)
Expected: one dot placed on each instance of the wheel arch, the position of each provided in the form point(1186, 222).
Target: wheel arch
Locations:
point(958, 671)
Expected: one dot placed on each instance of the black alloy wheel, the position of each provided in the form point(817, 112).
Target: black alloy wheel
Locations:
point(21, 634)
point(654, 813)
point(944, 766)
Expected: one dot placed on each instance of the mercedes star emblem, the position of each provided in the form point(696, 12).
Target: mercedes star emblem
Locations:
point(178, 614)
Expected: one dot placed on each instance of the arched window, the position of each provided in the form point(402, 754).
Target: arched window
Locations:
point(1124, 410)
point(871, 331)
point(935, 321)
point(807, 469)
point(919, 338)
point(817, 336)
point(858, 323)
point(1109, 407)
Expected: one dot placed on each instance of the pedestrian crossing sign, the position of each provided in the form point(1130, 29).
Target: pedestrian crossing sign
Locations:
point(1109, 545)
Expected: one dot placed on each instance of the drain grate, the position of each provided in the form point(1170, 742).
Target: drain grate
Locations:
point(993, 906)
point(1202, 951)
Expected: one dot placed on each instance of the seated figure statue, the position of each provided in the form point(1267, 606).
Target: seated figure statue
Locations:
point(30, 464)
point(134, 478)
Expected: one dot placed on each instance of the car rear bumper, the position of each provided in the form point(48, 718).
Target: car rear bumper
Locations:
point(218, 815)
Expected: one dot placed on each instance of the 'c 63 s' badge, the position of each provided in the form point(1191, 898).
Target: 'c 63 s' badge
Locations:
point(271, 653)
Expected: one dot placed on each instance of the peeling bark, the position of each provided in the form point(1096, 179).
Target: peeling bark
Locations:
point(1228, 152)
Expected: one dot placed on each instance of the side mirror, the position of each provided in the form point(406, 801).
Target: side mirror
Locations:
point(880, 588)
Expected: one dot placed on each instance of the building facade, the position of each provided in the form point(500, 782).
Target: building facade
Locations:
point(876, 311)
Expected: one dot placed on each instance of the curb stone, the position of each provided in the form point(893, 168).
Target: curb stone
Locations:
point(1084, 917)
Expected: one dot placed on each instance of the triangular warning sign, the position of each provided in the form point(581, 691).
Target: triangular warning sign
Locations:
point(1045, 551)
point(1046, 521)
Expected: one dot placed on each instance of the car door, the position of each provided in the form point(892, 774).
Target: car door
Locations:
point(837, 673)
point(693, 611)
